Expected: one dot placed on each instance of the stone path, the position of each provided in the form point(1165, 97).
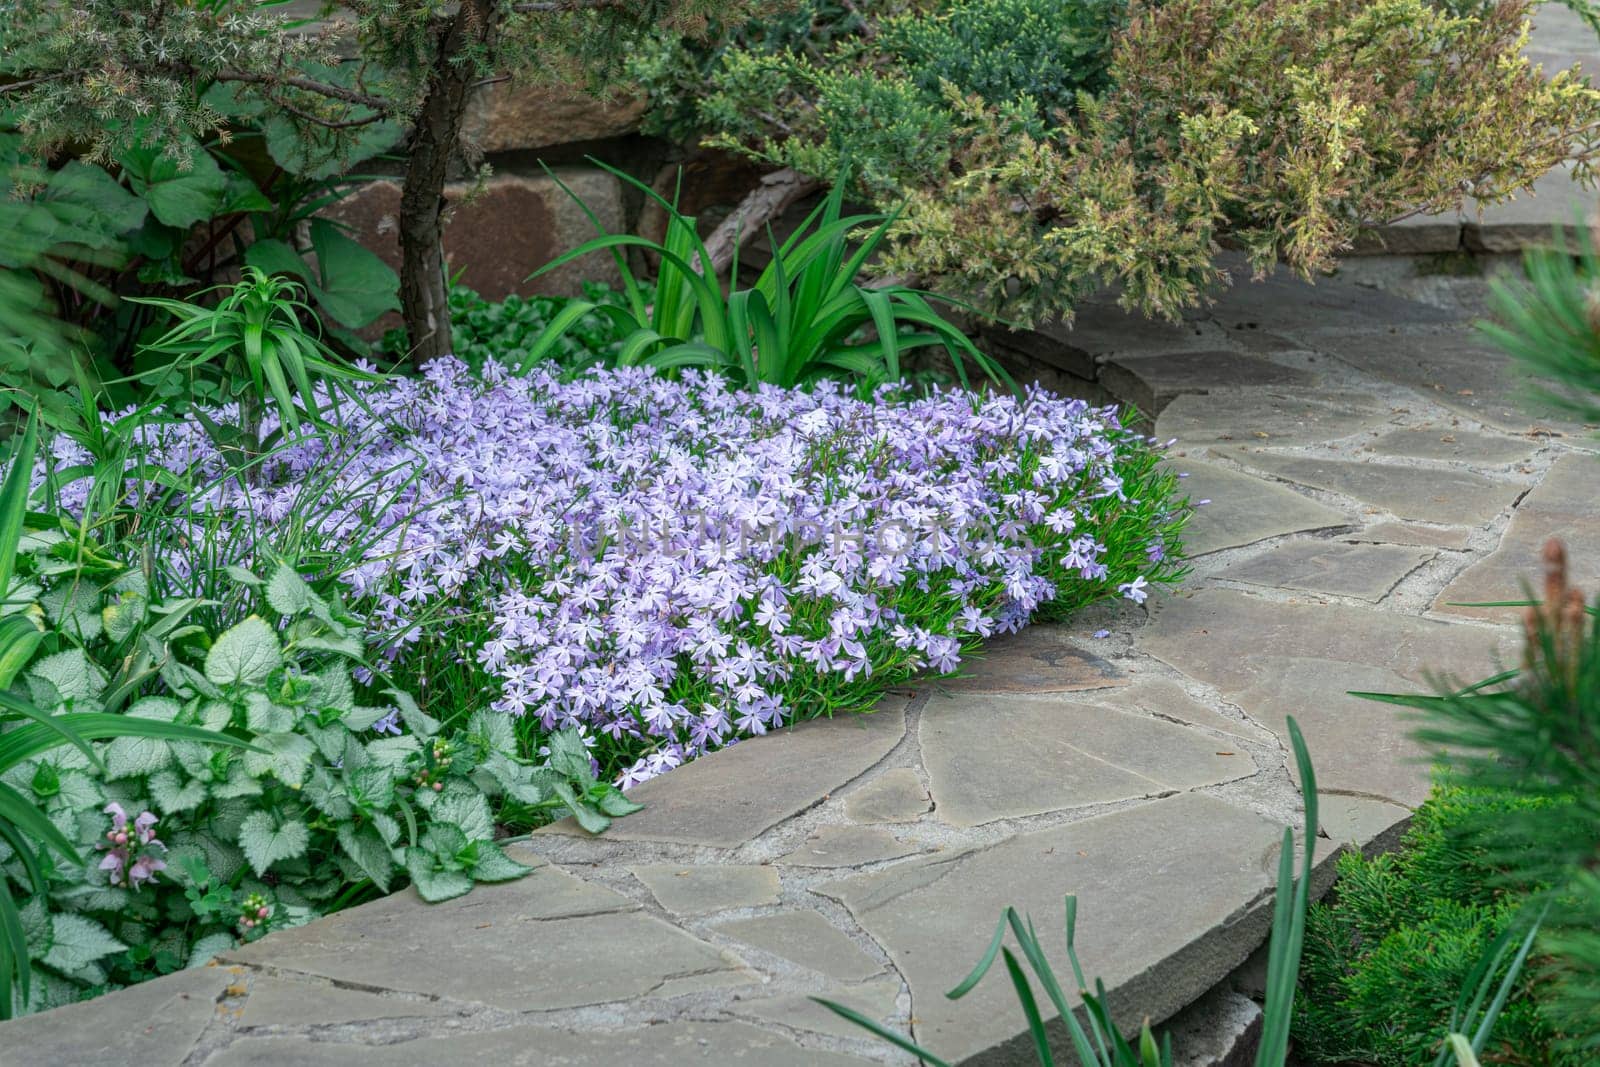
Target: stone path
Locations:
point(1369, 464)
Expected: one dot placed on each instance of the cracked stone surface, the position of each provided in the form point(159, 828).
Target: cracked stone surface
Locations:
point(895, 796)
point(1366, 572)
point(1077, 755)
point(1179, 897)
point(1243, 509)
point(1443, 496)
point(847, 846)
point(697, 890)
point(808, 939)
point(1386, 467)
point(1566, 504)
point(1283, 417)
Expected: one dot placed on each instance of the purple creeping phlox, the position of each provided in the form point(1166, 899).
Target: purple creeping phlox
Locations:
point(671, 565)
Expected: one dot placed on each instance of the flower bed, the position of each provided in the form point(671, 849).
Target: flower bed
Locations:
point(670, 565)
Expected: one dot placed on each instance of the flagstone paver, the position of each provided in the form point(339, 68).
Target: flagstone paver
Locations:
point(867, 858)
point(1238, 509)
point(1366, 572)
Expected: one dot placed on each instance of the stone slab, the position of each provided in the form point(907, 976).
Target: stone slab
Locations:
point(1417, 235)
point(847, 846)
point(1285, 303)
point(1456, 369)
point(1078, 755)
point(896, 795)
point(1404, 533)
point(1364, 822)
point(738, 793)
point(278, 1002)
point(490, 948)
point(1565, 504)
point(1167, 700)
point(1221, 1029)
point(807, 939)
point(1482, 449)
point(1151, 382)
point(1276, 659)
point(875, 999)
point(1279, 416)
point(154, 1023)
point(1530, 218)
point(1159, 922)
point(1429, 494)
point(701, 890)
point(1366, 572)
point(1035, 659)
point(671, 1044)
point(1244, 509)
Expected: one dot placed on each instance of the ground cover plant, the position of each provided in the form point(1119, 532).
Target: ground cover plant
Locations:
point(1403, 932)
point(669, 565)
point(506, 330)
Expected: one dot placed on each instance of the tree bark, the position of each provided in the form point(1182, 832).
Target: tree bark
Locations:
point(765, 202)
point(424, 294)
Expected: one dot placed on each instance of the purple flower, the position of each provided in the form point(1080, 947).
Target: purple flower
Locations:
point(665, 563)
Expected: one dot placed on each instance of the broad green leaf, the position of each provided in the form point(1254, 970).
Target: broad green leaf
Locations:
point(76, 942)
point(93, 207)
point(466, 808)
point(357, 287)
point(372, 787)
point(492, 730)
point(209, 948)
point(75, 607)
point(433, 884)
point(417, 721)
point(286, 755)
point(393, 751)
point(266, 841)
point(265, 717)
point(367, 848)
point(493, 865)
point(172, 794)
point(70, 674)
point(568, 755)
point(277, 257)
point(130, 757)
point(177, 195)
point(244, 655)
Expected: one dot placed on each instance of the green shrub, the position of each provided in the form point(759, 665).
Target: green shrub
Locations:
point(1388, 954)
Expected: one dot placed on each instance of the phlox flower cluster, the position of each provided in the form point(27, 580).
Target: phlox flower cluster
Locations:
point(671, 564)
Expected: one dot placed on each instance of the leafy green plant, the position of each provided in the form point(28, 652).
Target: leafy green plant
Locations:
point(1403, 932)
point(30, 731)
point(251, 349)
point(1534, 733)
point(1551, 323)
point(505, 330)
point(808, 316)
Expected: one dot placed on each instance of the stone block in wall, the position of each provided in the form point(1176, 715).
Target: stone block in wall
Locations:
point(514, 226)
point(507, 117)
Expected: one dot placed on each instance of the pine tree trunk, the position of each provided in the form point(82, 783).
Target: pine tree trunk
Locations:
point(423, 290)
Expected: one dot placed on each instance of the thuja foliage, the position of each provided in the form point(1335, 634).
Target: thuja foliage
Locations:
point(1124, 145)
point(1387, 955)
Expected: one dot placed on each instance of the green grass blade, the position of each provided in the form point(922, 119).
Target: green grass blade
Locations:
point(1030, 1008)
point(872, 1025)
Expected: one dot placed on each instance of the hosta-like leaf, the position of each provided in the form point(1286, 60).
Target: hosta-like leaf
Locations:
point(266, 841)
point(244, 655)
point(76, 942)
point(287, 592)
point(493, 865)
point(178, 195)
point(173, 794)
point(209, 948)
point(70, 674)
point(433, 884)
point(129, 757)
point(370, 852)
point(287, 756)
point(465, 808)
